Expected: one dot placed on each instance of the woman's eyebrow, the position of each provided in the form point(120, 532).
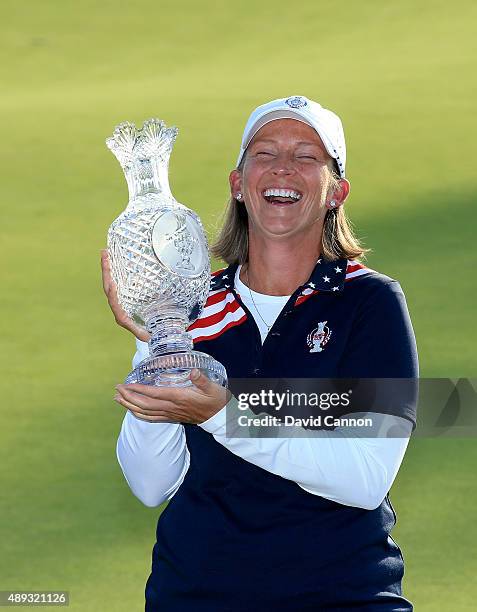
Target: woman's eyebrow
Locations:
point(309, 142)
point(259, 140)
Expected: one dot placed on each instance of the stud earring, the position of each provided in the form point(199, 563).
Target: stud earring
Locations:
point(239, 196)
point(332, 204)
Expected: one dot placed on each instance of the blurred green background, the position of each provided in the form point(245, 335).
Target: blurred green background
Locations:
point(403, 77)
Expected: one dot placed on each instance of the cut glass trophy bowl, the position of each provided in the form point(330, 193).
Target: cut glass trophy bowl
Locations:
point(159, 258)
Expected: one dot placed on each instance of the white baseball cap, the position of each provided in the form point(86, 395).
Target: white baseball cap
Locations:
point(325, 122)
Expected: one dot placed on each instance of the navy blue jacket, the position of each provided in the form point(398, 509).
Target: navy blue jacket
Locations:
point(235, 537)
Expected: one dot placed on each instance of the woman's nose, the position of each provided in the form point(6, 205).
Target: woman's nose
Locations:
point(283, 165)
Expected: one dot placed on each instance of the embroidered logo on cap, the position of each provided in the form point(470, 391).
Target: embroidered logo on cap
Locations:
point(318, 337)
point(296, 102)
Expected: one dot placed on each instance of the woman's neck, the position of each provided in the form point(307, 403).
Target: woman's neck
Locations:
point(279, 268)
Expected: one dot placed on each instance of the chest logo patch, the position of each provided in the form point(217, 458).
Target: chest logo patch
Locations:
point(318, 338)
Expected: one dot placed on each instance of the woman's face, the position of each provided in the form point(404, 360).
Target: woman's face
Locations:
point(284, 154)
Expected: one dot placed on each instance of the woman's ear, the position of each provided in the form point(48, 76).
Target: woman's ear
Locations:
point(339, 195)
point(344, 189)
point(235, 180)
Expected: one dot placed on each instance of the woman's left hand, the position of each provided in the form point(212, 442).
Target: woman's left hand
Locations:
point(194, 404)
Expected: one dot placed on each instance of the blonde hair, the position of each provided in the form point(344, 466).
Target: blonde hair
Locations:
point(337, 242)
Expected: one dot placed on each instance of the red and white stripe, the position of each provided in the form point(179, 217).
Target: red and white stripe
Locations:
point(221, 312)
point(217, 272)
point(304, 295)
point(354, 269)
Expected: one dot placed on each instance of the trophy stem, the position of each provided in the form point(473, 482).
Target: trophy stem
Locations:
point(168, 333)
point(171, 355)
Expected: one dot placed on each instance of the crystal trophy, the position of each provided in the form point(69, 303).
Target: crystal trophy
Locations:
point(159, 258)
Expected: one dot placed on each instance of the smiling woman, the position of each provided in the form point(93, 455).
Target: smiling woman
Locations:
point(291, 523)
point(291, 144)
point(287, 157)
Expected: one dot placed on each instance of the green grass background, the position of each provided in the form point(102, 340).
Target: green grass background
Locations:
point(403, 77)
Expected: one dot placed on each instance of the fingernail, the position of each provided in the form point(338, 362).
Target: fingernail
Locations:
point(194, 374)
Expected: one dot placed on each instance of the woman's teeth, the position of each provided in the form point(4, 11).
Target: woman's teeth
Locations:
point(281, 193)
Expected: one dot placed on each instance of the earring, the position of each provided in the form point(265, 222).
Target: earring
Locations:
point(239, 196)
point(332, 204)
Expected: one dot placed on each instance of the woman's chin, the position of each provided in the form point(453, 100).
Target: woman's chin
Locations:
point(281, 230)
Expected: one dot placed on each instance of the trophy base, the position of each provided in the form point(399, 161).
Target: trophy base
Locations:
point(172, 370)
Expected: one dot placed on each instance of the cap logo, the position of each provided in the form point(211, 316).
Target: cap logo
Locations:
point(296, 102)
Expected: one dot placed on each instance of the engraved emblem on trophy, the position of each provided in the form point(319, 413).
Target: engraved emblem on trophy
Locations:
point(159, 258)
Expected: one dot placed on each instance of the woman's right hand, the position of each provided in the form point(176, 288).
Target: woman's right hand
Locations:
point(120, 315)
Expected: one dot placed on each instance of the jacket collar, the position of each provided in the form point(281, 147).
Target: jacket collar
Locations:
point(328, 276)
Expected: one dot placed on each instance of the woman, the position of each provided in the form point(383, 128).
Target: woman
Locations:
point(284, 524)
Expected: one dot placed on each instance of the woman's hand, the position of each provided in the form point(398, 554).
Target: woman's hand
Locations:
point(193, 404)
point(120, 315)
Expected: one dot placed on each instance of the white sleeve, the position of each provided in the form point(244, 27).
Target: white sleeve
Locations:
point(337, 465)
point(154, 457)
